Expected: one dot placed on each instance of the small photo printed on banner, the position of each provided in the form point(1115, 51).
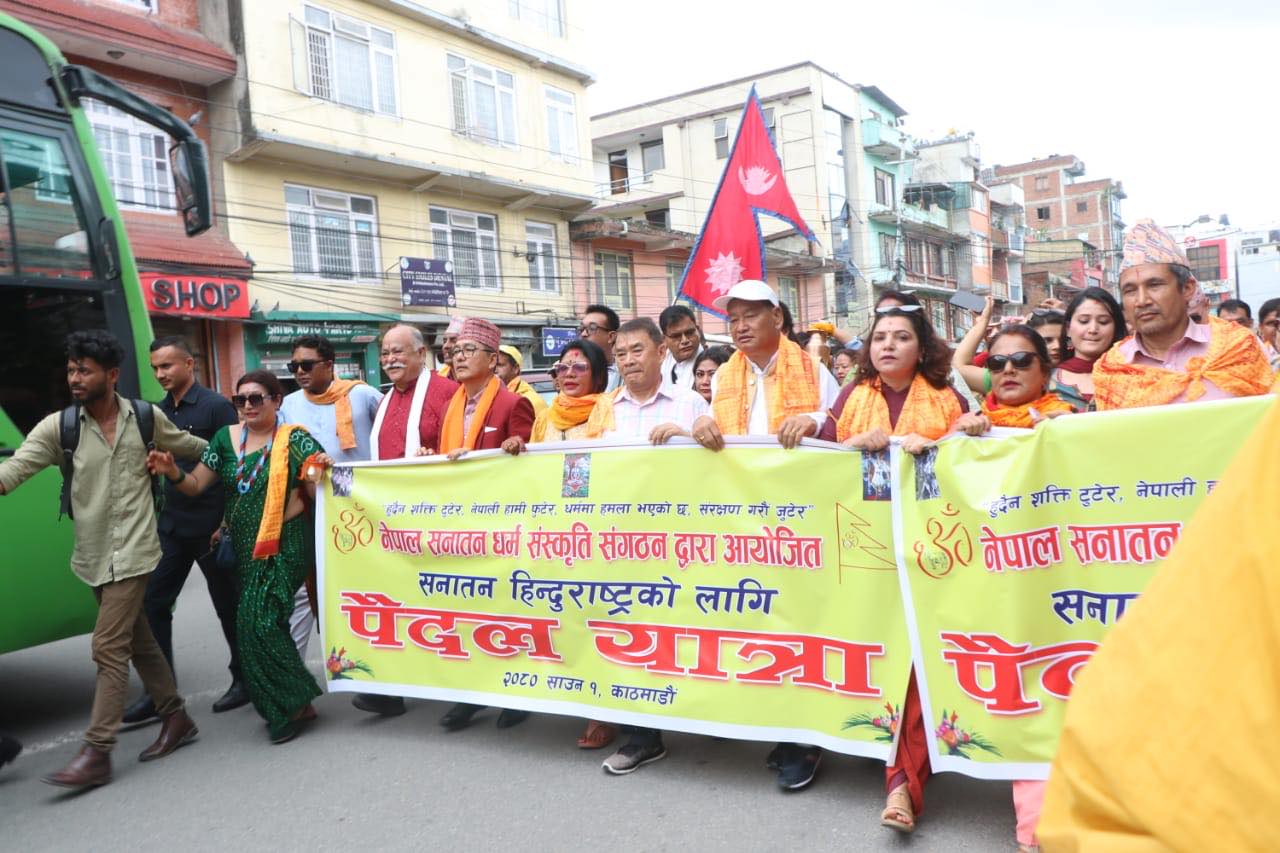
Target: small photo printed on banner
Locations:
point(343, 478)
point(875, 476)
point(926, 479)
point(577, 476)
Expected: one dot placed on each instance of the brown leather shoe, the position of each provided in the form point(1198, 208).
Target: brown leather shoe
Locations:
point(91, 767)
point(177, 730)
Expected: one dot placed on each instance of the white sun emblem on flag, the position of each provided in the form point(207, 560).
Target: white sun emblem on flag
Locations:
point(724, 272)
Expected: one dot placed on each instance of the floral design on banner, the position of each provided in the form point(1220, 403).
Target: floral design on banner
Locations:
point(959, 741)
point(339, 666)
point(886, 724)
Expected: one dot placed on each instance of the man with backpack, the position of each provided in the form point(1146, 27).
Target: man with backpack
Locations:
point(101, 442)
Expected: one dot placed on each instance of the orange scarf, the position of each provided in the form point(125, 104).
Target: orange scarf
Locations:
point(1020, 416)
point(792, 390)
point(451, 428)
point(1235, 363)
point(268, 542)
point(336, 395)
point(601, 419)
point(927, 411)
point(565, 413)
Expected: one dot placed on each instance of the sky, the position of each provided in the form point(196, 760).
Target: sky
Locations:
point(1176, 99)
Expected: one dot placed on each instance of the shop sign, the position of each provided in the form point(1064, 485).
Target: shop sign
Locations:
point(195, 296)
point(337, 333)
point(427, 282)
point(555, 340)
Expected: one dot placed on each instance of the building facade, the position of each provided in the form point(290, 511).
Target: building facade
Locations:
point(195, 287)
point(1059, 206)
point(362, 139)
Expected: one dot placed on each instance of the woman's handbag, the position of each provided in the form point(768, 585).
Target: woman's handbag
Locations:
point(224, 553)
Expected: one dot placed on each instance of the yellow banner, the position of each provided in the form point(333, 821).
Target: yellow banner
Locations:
point(751, 593)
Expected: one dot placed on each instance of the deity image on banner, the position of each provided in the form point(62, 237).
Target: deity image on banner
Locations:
point(577, 475)
point(875, 476)
point(927, 487)
point(343, 477)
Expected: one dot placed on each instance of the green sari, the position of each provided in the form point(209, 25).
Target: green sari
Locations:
point(279, 683)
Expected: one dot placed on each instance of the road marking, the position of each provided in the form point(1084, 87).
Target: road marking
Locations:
point(73, 736)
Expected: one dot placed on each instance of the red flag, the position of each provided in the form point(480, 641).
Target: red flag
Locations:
point(730, 247)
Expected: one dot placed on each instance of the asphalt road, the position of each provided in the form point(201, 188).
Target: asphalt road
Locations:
point(405, 784)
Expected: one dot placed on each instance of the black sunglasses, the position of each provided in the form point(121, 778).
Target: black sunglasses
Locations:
point(307, 364)
point(1020, 360)
point(255, 400)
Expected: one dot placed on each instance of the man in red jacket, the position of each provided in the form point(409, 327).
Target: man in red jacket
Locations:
point(481, 415)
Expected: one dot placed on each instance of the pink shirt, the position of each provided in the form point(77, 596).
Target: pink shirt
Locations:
point(1195, 342)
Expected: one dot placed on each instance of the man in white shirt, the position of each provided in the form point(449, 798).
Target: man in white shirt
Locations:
point(684, 342)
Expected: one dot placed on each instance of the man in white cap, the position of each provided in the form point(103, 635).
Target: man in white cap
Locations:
point(770, 386)
point(510, 363)
point(447, 341)
point(1171, 357)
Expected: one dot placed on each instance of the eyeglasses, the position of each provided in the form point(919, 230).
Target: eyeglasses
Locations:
point(686, 335)
point(469, 350)
point(588, 329)
point(578, 368)
point(1020, 361)
point(306, 365)
point(889, 309)
point(255, 400)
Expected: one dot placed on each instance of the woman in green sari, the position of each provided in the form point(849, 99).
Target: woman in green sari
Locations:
point(264, 468)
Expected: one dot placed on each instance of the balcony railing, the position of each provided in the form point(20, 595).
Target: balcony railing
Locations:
point(884, 140)
point(622, 185)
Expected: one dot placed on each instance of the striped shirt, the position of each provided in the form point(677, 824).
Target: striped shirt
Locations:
point(669, 405)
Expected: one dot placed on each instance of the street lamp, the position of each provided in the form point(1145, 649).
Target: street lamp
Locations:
point(1204, 217)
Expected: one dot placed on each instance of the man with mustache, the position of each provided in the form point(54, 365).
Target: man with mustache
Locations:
point(683, 343)
point(407, 424)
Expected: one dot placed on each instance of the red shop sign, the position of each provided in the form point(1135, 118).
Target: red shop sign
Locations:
point(196, 296)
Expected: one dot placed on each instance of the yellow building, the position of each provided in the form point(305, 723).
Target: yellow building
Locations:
point(361, 132)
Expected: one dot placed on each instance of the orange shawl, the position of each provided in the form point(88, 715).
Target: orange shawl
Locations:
point(268, 542)
point(601, 420)
point(1020, 416)
point(927, 411)
point(793, 389)
point(1235, 363)
point(451, 437)
point(565, 413)
point(336, 395)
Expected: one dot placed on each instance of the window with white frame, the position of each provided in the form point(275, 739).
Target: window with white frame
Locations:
point(345, 60)
point(136, 157)
point(720, 130)
point(562, 126)
point(613, 280)
point(789, 292)
point(544, 14)
point(979, 250)
point(470, 240)
point(484, 101)
point(675, 271)
point(540, 249)
point(653, 157)
point(332, 234)
point(978, 200)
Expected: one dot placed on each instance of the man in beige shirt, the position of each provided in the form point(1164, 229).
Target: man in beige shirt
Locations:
point(116, 546)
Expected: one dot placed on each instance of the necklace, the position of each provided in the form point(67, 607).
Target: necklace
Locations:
point(242, 485)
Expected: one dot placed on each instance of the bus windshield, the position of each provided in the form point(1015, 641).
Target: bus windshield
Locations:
point(43, 231)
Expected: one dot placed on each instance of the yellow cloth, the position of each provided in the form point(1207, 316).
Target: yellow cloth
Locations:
point(927, 411)
point(1235, 363)
point(451, 437)
point(338, 396)
point(791, 388)
point(564, 413)
point(601, 419)
point(1170, 734)
point(1020, 416)
point(445, 370)
point(268, 542)
point(524, 389)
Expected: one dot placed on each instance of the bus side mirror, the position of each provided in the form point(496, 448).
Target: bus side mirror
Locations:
point(191, 185)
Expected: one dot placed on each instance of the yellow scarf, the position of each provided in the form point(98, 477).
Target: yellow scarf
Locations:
point(1235, 363)
point(1020, 416)
point(601, 419)
point(268, 542)
point(792, 391)
point(524, 389)
point(451, 437)
point(565, 413)
point(336, 395)
point(927, 411)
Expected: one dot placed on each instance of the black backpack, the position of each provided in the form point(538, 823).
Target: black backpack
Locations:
point(69, 437)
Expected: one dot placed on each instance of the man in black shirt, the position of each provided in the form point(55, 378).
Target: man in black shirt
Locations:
point(186, 525)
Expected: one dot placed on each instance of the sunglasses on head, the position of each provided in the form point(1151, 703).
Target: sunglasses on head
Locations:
point(578, 367)
point(906, 309)
point(255, 400)
point(1020, 361)
point(306, 365)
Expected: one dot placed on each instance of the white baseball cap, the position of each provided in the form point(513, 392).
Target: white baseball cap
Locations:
point(748, 290)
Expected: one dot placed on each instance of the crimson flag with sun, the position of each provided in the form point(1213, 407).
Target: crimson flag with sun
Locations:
point(730, 247)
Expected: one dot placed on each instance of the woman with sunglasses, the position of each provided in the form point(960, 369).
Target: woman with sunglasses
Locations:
point(1094, 322)
point(1021, 373)
point(264, 466)
point(583, 375)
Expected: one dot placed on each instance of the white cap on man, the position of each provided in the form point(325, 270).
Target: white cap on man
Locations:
point(748, 290)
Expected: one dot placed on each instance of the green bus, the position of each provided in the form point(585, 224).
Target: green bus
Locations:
point(65, 264)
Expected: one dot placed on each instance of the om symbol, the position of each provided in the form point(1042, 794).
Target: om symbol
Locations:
point(952, 545)
point(352, 531)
